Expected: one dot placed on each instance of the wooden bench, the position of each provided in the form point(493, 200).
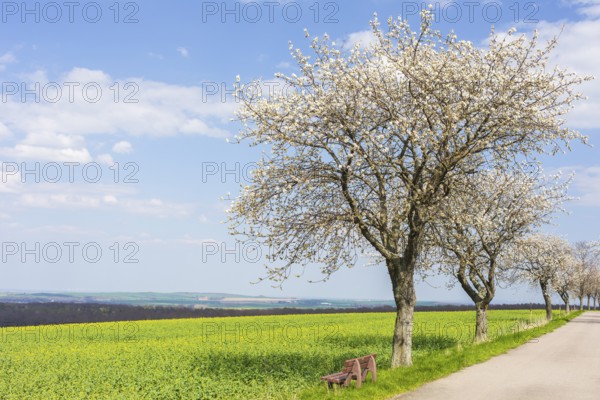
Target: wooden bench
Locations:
point(356, 368)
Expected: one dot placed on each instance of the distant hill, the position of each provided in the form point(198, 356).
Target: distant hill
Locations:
point(193, 300)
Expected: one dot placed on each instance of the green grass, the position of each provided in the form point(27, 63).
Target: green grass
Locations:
point(275, 357)
point(437, 364)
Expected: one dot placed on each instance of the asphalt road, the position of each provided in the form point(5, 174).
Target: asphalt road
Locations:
point(561, 365)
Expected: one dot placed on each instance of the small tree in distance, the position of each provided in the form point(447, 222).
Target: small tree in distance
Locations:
point(597, 293)
point(592, 286)
point(587, 257)
point(539, 260)
point(367, 144)
point(564, 279)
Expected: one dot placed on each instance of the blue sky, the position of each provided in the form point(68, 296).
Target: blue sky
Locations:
point(142, 88)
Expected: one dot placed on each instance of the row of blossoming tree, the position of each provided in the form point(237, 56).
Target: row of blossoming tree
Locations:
point(551, 263)
point(419, 150)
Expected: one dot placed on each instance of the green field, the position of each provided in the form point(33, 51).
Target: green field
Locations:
point(279, 357)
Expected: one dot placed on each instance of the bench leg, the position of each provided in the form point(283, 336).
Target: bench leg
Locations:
point(356, 372)
point(373, 368)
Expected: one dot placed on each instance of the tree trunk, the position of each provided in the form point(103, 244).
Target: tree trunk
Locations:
point(547, 299)
point(588, 303)
point(481, 323)
point(402, 275)
point(595, 303)
point(481, 300)
point(581, 303)
point(565, 297)
point(402, 342)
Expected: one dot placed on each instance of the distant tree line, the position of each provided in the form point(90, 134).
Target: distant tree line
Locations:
point(31, 314)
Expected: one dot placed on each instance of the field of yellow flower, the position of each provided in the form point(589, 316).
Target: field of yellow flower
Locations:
point(221, 358)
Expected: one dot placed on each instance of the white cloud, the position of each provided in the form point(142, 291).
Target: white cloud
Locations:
point(589, 8)
point(183, 51)
point(65, 196)
point(122, 147)
point(578, 50)
point(54, 140)
point(85, 75)
point(60, 132)
point(157, 208)
point(59, 200)
point(38, 75)
point(196, 126)
point(586, 185)
point(105, 159)
point(23, 151)
point(10, 178)
point(156, 56)
point(5, 59)
point(50, 147)
point(57, 130)
point(185, 240)
point(105, 195)
point(364, 38)
point(5, 133)
point(60, 229)
point(110, 199)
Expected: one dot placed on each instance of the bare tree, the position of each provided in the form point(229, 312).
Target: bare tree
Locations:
point(482, 221)
point(364, 146)
point(538, 260)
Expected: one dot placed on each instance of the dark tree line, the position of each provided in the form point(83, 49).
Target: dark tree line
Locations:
point(29, 314)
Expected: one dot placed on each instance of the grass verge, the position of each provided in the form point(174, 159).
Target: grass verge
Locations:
point(436, 365)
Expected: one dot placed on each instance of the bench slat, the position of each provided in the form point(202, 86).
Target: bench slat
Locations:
point(363, 361)
point(334, 376)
